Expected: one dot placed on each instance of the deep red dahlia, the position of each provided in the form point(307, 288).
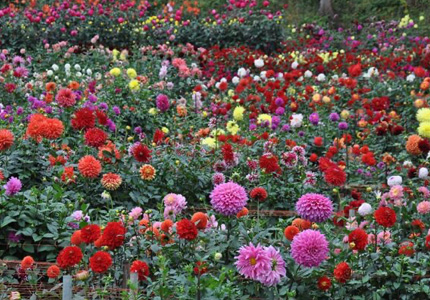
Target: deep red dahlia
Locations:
point(269, 163)
point(227, 152)
point(424, 145)
point(90, 233)
point(141, 268)
point(342, 272)
point(258, 194)
point(83, 119)
point(100, 262)
point(359, 238)
point(335, 176)
point(200, 268)
point(186, 230)
point(113, 235)
point(324, 283)
point(69, 257)
point(95, 137)
point(385, 216)
point(141, 153)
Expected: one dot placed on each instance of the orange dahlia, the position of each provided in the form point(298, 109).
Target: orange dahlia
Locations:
point(111, 181)
point(147, 172)
point(200, 219)
point(41, 126)
point(412, 145)
point(89, 166)
point(290, 232)
point(27, 262)
point(244, 212)
point(111, 149)
point(52, 128)
point(6, 139)
point(301, 224)
point(53, 271)
point(76, 238)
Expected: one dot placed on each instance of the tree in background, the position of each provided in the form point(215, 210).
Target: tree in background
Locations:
point(326, 8)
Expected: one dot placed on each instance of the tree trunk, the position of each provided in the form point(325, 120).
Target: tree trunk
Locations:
point(326, 8)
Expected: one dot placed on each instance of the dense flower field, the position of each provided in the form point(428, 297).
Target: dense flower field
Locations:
point(219, 155)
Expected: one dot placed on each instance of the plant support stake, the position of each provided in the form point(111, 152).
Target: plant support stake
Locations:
point(67, 287)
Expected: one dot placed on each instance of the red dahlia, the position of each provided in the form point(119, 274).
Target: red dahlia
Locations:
point(385, 216)
point(83, 119)
point(100, 262)
point(95, 137)
point(69, 257)
point(113, 235)
point(141, 268)
point(90, 233)
point(227, 152)
point(158, 137)
point(258, 193)
point(335, 176)
point(186, 230)
point(324, 283)
point(200, 268)
point(342, 272)
point(407, 248)
point(427, 243)
point(269, 163)
point(141, 153)
point(359, 238)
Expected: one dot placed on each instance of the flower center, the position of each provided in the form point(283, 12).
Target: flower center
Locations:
point(252, 261)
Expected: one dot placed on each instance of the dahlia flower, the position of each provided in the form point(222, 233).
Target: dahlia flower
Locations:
point(314, 207)
point(253, 261)
point(228, 198)
point(309, 248)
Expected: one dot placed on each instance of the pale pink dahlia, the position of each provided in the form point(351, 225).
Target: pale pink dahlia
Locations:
point(228, 198)
point(314, 207)
point(277, 270)
point(309, 248)
point(252, 261)
point(423, 207)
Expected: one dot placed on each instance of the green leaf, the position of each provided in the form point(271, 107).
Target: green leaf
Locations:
point(7, 220)
point(28, 248)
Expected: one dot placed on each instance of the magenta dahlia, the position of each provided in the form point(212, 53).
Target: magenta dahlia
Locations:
point(314, 207)
point(253, 261)
point(309, 248)
point(228, 198)
point(277, 270)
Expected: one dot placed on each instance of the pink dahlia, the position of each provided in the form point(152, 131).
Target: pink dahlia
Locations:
point(423, 207)
point(277, 270)
point(314, 207)
point(228, 198)
point(252, 261)
point(66, 98)
point(309, 248)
